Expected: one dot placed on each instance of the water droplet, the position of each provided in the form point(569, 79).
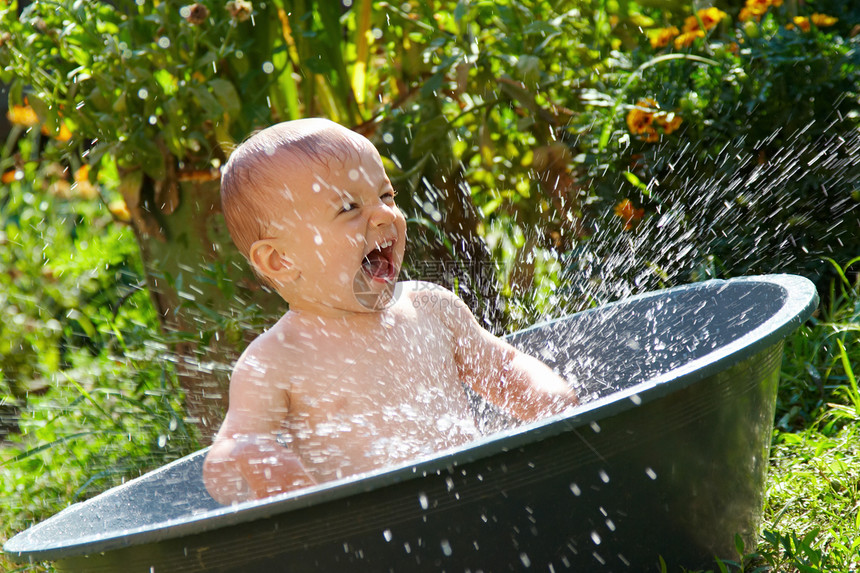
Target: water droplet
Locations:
point(164, 42)
point(353, 175)
point(143, 93)
point(387, 138)
point(650, 473)
point(575, 489)
point(422, 500)
point(610, 524)
point(525, 559)
point(446, 548)
point(387, 535)
point(595, 538)
point(603, 476)
point(636, 399)
point(595, 427)
point(318, 239)
point(268, 67)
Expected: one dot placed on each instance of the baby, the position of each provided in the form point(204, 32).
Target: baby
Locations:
point(362, 371)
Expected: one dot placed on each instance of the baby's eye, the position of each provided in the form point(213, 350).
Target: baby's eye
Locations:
point(347, 207)
point(389, 195)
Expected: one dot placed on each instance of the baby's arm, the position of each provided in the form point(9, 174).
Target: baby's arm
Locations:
point(246, 461)
point(516, 382)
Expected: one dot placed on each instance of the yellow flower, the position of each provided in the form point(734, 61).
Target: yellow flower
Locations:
point(686, 39)
point(801, 22)
point(805, 24)
point(709, 17)
point(661, 37)
point(823, 20)
point(22, 115)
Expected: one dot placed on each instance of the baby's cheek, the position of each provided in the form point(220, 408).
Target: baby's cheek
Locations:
point(357, 240)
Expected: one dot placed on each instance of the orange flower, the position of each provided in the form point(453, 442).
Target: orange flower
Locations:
point(801, 22)
point(22, 115)
point(668, 122)
point(83, 187)
point(639, 120)
point(686, 39)
point(647, 120)
point(709, 17)
point(755, 9)
point(10, 176)
point(823, 20)
point(629, 213)
point(62, 134)
point(661, 37)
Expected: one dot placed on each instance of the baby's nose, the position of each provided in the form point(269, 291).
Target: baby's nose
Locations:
point(383, 214)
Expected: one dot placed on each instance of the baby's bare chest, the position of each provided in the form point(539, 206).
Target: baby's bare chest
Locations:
point(400, 366)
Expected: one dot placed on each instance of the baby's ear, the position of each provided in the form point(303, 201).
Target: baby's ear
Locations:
point(272, 263)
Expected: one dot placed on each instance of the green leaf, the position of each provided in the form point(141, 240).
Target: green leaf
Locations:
point(541, 28)
point(207, 101)
point(226, 94)
point(166, 80)
point(636, 182)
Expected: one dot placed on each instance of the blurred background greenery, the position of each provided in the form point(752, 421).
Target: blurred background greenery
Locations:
point(550, 156)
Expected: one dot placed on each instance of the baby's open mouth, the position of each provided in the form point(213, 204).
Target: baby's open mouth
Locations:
point(378, 264)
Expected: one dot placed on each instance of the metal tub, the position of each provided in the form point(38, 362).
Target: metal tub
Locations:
point(665, 459)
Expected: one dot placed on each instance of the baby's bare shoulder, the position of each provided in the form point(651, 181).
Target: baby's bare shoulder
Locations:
point(272, 360)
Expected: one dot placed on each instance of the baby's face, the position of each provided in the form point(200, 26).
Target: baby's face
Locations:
point(343, 232)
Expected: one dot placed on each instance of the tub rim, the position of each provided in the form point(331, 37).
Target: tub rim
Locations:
point(801, 299)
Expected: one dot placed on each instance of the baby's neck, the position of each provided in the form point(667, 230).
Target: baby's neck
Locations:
point(336, 318)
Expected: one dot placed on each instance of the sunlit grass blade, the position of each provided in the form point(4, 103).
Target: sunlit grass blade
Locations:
point(93, 401)
point(851, 390)
point(48, 445)
point(362, 47)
